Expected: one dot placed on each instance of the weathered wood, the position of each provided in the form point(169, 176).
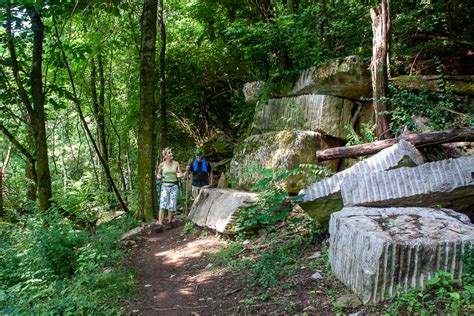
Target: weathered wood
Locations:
point(418, 140)
point(378, 67)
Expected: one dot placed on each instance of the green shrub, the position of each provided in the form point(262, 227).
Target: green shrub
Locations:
point(47, 266)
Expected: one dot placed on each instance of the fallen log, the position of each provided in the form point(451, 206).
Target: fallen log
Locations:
point(418, 140)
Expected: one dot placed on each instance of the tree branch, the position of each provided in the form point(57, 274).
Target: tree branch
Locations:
point(15, 65)
point(84, 123)
point(17, 144)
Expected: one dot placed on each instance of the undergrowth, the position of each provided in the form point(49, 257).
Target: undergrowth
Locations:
point(275, 255)
point(47, 266)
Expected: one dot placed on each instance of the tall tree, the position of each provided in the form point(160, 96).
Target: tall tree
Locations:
point(35, 109)
point(378, 67)
point(98, 109)
point(146, 128)
point(163, 119)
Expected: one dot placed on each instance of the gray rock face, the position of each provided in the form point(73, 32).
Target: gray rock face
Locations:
point(446, 182)
point(322, 198)
point(217, 208)
point(274, 150)
point(251, 90)
point(320, 113)
point(377, 251)
point(348, 78)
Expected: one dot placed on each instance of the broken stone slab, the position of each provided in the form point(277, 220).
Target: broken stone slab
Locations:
point(218, 208)
point(322, 198)
point(449, 183)
point(320, 113)
point(378, 251)
point(251, 91)
point(275, 150)
point(346, 78)
point(132, 233)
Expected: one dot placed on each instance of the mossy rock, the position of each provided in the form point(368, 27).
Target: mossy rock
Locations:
point(274, 150)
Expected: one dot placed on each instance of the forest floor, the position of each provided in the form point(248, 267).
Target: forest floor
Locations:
point(178, 276)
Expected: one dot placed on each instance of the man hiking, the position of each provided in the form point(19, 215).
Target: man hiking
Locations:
point(201, 171)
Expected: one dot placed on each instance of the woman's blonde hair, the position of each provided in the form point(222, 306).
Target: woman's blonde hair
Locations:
point(165, 151)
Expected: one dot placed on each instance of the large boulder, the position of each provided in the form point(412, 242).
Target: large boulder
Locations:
point(218, 208)
point(449, 183)
point(320, 113)
point(322, 198)
point(277, 150)
point(379, 251)
point(347, 78)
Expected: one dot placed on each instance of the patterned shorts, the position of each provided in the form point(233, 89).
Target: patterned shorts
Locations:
point(168, 197)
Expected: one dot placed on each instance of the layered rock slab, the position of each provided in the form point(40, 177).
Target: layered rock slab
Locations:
point(320, 113)
point(348, 78)
point(322, 198)
point(273, 150)
point(447, 183)
point(217, 208)
point(377, 251)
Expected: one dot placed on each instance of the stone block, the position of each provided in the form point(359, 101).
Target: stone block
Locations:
point(322, 198)
point(218, 208)
point(320, 113)
point(449, 183)
point(346, 78)
point(286, 150)
point(378, 251)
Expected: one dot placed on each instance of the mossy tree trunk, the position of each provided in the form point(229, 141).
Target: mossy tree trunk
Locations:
point(146, 130)
point(35, 106)
point(163, 119)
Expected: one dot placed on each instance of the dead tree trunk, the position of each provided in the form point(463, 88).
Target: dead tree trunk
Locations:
point(2, 175)
point(418, 140)
point(378, 67)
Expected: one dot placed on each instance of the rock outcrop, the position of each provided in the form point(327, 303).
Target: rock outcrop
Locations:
point(346, 78)
point(319, 113)
point(379, 251)
point(251, 91)
point(322, 198)
point(274, 150)
point(217, 208)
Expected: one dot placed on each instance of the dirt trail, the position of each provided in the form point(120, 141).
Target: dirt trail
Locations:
point(176, 277)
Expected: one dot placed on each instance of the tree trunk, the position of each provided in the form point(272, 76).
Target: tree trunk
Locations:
point(323, 20)
point(36, 111)
point(389, 38)
point(378, 68)
point(42, 162)
point(292, 5)
point(98, 107)
point(101, 118)
point(418, 140)
point(2, 175)
point(129, 180)
point(163, 119)
point(146, 129)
